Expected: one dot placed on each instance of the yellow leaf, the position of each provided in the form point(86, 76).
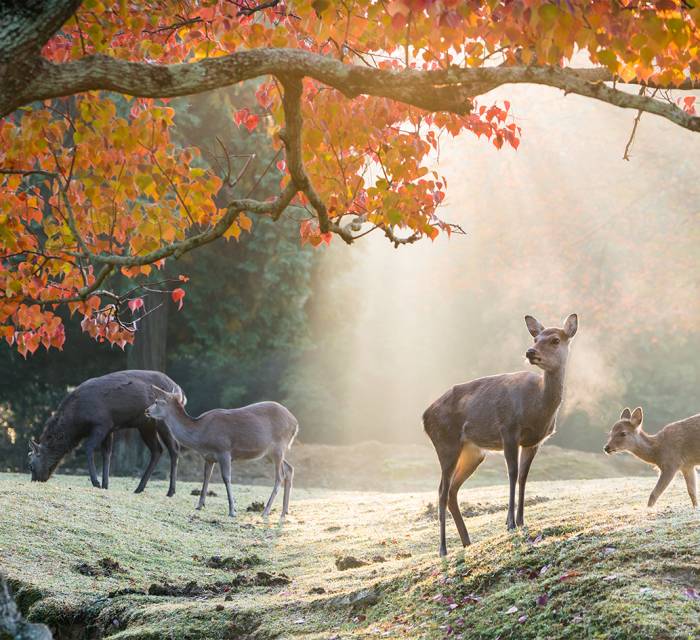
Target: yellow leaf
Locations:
point(233, 231)
point(244, 222)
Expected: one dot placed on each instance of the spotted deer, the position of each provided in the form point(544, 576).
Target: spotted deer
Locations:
point(675, 448)
point(511, 412)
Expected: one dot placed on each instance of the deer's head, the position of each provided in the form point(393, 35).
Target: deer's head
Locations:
point(163, 402)
point(626, 432)
point(551, 346)
point(41, 463)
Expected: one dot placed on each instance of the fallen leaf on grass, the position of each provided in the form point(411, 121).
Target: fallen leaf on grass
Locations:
point(568, 575)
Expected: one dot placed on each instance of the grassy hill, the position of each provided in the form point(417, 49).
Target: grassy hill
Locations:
point(593, 562)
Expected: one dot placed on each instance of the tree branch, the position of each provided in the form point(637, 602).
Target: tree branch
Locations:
point(448, 89)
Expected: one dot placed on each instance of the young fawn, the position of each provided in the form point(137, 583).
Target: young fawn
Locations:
point(512, 412)
point(261, 430)
point(675, 448)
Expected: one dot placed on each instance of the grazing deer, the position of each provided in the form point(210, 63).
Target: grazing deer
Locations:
point(675, 448)
point(92, 412)
point(512, 412)
point(265, 429)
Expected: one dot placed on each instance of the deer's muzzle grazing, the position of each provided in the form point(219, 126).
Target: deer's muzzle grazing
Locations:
point(512, 412)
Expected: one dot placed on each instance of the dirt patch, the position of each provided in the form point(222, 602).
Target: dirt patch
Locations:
point(344, 563)
point(265, 579)
point(194, 589)
point(256, 507)
point(103, 568)
point(191, 589)
point(687, 576)
point(210, 493)
point(468, 510)
point(230, 563)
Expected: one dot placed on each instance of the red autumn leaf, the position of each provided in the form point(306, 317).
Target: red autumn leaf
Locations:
point(177, 295)
point(135, 303)
point(251, 122)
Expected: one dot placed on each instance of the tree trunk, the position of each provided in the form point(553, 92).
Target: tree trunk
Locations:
point(147, 352)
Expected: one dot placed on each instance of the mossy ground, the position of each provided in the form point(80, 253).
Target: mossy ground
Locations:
point(600, 563)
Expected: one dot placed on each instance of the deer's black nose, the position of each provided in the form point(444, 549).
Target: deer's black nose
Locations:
point(606, 448)
point(530, 353)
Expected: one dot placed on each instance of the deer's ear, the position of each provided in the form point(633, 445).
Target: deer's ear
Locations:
point(159, 391)
point(533, 326)
point(626, 414)
point(571, 325)
point(637, 417)
point(33, 445)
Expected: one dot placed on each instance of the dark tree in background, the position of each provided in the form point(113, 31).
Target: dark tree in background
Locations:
point(243, 323)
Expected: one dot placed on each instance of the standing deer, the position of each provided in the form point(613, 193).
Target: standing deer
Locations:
point(675, 448)
point(265, 429)
point(92, 412)
point(512, 412)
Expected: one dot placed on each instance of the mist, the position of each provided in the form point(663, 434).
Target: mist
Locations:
point(561, 225)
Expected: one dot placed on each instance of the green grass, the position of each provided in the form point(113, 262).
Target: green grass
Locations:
point(629, 569)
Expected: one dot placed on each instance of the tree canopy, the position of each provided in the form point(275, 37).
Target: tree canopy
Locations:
point(355, 95)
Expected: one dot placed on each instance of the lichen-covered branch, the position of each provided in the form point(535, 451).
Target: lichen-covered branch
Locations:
point(448, 89)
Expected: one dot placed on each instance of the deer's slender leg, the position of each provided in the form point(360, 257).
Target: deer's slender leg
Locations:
point(96, 438)
point(279, 475)
point(691, 483)
point(527, 454)
point(225, 466)
point(208, 466)
point(510, 451)
point(469, 459)
point(173, 451)
point(442, 504)
point(150, 438)
point(664, 480)
point(288, 479)
point(107, 444)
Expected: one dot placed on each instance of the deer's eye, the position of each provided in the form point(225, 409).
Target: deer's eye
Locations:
point(555, 340)
point(623, 434)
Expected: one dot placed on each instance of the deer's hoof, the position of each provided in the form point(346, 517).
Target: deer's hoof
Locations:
point(170, 493)
point(138, 490)
point(231, 514)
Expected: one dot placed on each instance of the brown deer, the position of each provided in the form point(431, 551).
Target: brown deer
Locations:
point(92, 412)
point(675, 448)
point(512, 412)
point(265, 429)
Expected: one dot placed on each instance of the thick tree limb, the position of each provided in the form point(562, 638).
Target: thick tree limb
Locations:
point(434, 90)
point(25, 26)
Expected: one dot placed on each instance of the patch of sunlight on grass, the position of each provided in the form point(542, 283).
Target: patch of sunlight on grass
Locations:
point(135, 543)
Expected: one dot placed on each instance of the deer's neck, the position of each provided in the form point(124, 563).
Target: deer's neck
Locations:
point(647, 448)
point(182, 426)
point(553, 388)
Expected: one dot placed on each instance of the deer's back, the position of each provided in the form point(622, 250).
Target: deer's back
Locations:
point(250, 431)
point(121, 397)
point(681, 440)
point(479, 409)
